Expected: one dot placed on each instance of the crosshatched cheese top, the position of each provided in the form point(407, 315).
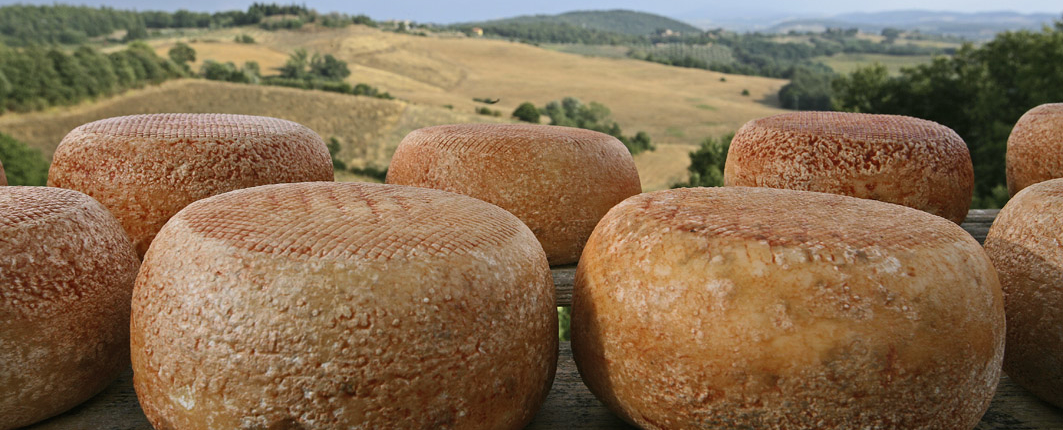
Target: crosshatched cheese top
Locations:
point(897, 159)
point(145, 168)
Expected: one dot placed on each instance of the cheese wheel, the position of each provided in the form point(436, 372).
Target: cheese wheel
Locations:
point(761, 308)
point(145, 168)
point(66, 275)
point(343, 305)
point(3, 177)
point(1035, 147)
point(1024, 244)
point(558, 180)
point(897, 159)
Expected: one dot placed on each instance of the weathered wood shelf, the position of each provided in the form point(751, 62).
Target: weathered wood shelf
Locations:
point(570, 405)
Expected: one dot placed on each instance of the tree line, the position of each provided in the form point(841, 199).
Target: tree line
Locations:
point(571, 112)
point(980, 92)
point(23, 25)
point(718, 50)
point(35, 77)
point(301, 70)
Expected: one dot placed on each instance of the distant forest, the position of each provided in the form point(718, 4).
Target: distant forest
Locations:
point(663, 40)
point(23, 25)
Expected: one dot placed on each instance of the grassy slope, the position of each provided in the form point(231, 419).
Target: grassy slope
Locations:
point(368, 128)
point(643, 96)
point(678, 107)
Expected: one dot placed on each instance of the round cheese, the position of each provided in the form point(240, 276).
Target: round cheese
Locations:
point(1035, 147)
point(558, 180)
point(145, 168)
point(1024, 244)
point(761, 308)
point(343, 305)
point(66, 275)
point(897, 159)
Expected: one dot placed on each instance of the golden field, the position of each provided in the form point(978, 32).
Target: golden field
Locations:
point(436, 78)
point(369, 129)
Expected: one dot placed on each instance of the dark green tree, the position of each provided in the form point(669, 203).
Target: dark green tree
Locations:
point(980, 92)
point(217, 71)
point(527, 112)
point(571, 112)
point(334, 150)
point(182, 54)
point(296, 66)
point(809, 89)
point(22, 164)
point(707, 163)
point(328, 67)
point(891, 34)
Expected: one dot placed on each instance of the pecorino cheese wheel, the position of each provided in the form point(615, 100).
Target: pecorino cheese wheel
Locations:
point(343, 305)
point(1035, 147)
point(66, 275)
point(558, 180)
point(896, 159)
point(145, 168)
point(1024, 244)
point(761, 308)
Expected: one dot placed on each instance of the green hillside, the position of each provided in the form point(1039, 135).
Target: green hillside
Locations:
point(614, 21)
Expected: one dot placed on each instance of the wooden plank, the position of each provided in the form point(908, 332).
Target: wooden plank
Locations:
point(115, 408)
point(570, 405)
point(978, 222)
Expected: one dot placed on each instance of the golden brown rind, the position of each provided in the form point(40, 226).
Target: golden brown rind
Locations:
point(896, 159)
point(761, 308)
point(1024, 244)
point(66, 277)
point(1035, 147)
point(343, 305)
point(145, 168)
point(557, 180)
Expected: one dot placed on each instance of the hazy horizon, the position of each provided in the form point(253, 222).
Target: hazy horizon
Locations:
point(684, 10)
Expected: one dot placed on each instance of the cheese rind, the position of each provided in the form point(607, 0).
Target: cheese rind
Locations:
point(741, 307)
point(66, 277)
point(1035, 147)
point(343, 305)
point(557, 180)
point(1024, 244)
point(896, 159)
point(145, 168)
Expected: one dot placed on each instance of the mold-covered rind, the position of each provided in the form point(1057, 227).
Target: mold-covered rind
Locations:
point(775, 309)
point(896, 159)
point(145, 168)
point(1035, 147)
point(1024, 244)
point(326, 305)
point(558, 180)
point(66, 277)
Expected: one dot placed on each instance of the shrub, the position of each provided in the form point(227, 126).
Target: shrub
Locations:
point(22, 164)
point(707, 163)
point(527, 112)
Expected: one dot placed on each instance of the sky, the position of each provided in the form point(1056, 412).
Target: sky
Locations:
point(450, 11)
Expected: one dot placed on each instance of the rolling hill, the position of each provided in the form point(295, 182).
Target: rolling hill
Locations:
point(368, 128)
point(971, 26)
point(618, 21)
point(436, 79)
